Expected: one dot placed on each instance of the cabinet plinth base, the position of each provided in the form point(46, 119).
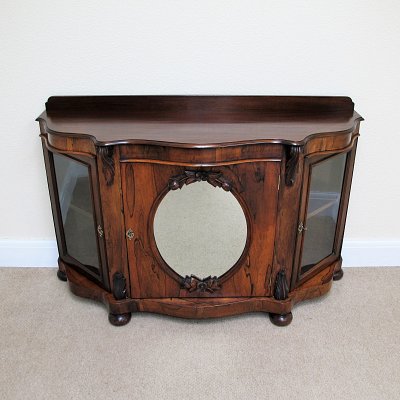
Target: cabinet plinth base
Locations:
point(281, 319)
point(200, 308)
point(119, 319)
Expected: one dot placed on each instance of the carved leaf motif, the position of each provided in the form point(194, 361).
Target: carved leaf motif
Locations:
point(106, 153)
point(281, 286)
point(119, 286)
point(194, 284)
point(213, 178)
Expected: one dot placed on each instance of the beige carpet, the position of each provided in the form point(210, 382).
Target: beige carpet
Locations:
point(57, 346)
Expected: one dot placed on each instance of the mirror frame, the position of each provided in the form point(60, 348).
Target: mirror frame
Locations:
point(216, 179)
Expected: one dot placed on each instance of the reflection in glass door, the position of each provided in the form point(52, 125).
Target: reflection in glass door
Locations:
point(326, 181)
point(75, 201)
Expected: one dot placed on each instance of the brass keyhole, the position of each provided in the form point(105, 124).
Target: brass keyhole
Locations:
point(130, 234)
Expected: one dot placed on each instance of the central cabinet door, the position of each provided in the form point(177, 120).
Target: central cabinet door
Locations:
point(205, 231)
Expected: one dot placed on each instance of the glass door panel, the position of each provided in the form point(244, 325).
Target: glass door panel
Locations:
point(326, 181)
point(76, 205)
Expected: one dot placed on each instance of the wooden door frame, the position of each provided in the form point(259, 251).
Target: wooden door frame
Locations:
point(100, 274)
point(298, 278)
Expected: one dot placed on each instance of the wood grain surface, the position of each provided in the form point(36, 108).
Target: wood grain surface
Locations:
point(198, 121)
point(259, 148)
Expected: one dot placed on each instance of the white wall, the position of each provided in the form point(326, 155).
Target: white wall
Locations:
point(200, 47)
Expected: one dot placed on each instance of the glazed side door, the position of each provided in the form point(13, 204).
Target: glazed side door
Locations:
point(324, 202)
point(254, 184)
point(74, 193)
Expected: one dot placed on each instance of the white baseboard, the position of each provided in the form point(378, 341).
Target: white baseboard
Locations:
point(43, 253)
point(28, 253)
point(371, 253)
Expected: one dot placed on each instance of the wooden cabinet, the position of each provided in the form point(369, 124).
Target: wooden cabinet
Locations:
point(284, 163)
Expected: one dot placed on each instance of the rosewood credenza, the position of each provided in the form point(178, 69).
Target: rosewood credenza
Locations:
point(132, 181)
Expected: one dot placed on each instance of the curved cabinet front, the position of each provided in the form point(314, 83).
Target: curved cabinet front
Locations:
point(255, 186)
point(281, 166)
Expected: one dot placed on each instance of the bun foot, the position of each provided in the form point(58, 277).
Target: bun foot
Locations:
point(62, 276)
point(338, 275)
point(119, 319)
point(281, 319)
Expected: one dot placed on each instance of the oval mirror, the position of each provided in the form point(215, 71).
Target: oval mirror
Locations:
point(200, 230)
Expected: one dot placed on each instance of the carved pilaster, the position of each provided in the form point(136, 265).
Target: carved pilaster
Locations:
point(106, 153)
point(213, 178)
point(281, 291)
point(292, 165)
point(194, 284)
point(119, 286)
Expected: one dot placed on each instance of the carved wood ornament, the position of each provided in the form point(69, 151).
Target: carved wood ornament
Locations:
point(281, 291)
point(119, 286)
point(292, 163)
point(213, 178)
point(106, 153)
point(194, 284)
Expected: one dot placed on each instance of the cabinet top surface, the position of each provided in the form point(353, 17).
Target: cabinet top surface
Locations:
point(199, 121)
